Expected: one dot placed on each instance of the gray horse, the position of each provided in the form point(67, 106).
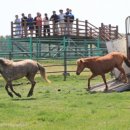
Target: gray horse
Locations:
point(11, 70)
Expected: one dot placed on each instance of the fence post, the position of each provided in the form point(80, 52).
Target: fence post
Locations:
point(116, 32)
point(30, 47)
point(110, 31)
point(86, 28)
point(102, 31)
point(91, 33)
point(65, 59)
point(77, 27)
point(12, 30)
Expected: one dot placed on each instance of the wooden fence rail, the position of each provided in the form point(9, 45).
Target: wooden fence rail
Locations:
point(79, 29)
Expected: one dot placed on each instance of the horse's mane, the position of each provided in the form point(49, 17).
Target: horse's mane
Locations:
point(5, 62)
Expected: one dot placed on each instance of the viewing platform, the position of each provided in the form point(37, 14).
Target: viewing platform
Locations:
point(80, 29)
point(83, 39)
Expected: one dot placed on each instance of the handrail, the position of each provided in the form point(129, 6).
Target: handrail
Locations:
point(80, 28)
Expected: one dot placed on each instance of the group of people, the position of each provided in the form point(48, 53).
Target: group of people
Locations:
point(61, 24)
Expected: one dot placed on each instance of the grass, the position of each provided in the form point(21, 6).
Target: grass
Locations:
point(64, 105)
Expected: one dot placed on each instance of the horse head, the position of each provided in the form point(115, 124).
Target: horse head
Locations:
point(80, 66)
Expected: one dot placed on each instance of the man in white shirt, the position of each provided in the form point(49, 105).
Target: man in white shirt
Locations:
point(18, 28)
point(61, 21)
point(46, 25)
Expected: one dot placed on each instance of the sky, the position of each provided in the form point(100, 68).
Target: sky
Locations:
point(112, 12)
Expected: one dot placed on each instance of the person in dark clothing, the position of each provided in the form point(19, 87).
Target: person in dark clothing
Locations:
point(24, 25)
point(30, 24)
point(46, 25)
point(55, 19)
point(67, 14)
point(69, 18)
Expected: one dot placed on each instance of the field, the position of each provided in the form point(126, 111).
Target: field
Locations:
point(63, 105)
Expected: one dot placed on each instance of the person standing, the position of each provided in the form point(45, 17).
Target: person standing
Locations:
point(55, 19)
point(30, 24)
point(61, 21)
point(35, 27)
point(71, 17)
point(18, 28)
point(38, 24)
point(46, 26)
point(24, 25)
point(67, 21)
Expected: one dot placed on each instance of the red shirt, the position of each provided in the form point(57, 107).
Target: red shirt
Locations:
point(38, 21)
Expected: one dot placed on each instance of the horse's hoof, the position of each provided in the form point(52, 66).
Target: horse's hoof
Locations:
point(10, 94)
point(29, 95)
point(88, 89)
point(125, 81)
point(105, 90)
point(18, 95)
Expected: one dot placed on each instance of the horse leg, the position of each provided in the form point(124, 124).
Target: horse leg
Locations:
point(9, 93)
point(120, 76)
point(104, 79)
point(123, 74)
point(92, 76)
point(12, 89)
point(31, 79)
point(32, 88)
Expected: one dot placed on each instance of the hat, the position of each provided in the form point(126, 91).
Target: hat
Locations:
point(61, 10)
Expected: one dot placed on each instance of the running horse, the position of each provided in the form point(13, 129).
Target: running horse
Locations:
point(11, 70)
point(102, 65)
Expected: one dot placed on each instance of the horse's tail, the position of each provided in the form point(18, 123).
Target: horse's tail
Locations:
point(43, 72)
point(127, 61)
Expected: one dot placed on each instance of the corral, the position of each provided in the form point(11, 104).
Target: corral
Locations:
point(84, 40)
point(61, 105)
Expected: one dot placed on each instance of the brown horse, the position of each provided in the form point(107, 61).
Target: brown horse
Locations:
point(102, 65)
point(11, 70)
